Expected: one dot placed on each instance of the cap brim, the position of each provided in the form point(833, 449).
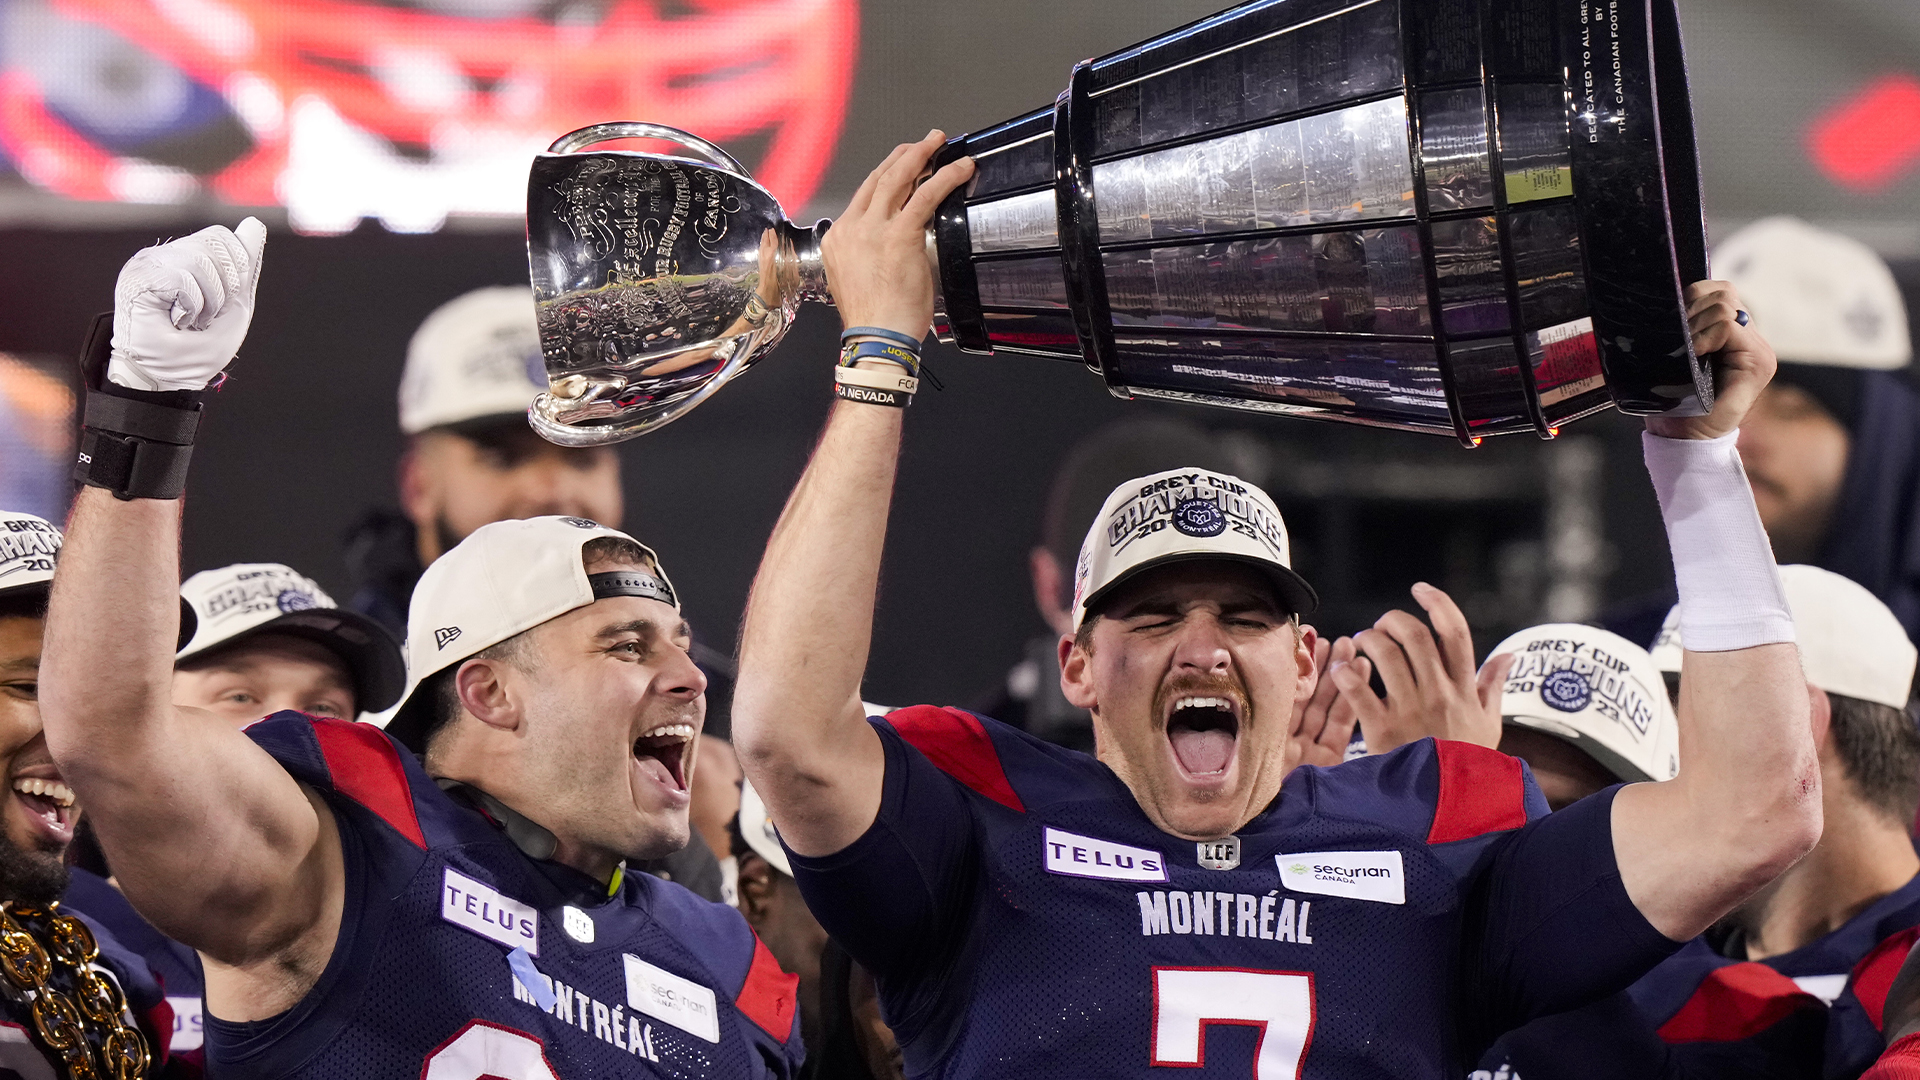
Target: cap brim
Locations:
point(189, 622)
point(1294, 592)
point(371, 654)
point(1623, 770)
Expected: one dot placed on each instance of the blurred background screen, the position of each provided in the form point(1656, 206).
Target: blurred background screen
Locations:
point(386, 145)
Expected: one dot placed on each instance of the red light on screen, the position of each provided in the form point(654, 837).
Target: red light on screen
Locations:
point(1872, 138)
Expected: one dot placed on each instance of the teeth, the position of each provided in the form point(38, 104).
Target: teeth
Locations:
point(54, 790)
point(1203, 703)
point(680, 731)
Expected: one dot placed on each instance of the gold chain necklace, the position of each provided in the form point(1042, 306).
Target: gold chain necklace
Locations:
point(78, 1012)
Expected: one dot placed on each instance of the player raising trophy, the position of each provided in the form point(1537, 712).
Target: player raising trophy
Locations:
point(1186, 897)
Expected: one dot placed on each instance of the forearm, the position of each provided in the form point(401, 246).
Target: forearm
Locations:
point(107, 673)
point(809, 620)
point(1746, 804)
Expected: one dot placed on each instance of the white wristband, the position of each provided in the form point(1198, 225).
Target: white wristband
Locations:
point(1730, 591)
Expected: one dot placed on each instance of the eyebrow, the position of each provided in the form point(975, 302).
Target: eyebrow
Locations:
point(21, 664)
point(643, 627)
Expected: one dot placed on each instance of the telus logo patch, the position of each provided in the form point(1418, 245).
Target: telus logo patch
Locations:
point(1085, 856)
point(1357, 875)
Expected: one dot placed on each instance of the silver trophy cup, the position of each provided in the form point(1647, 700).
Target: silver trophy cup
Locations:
point(1467, 217)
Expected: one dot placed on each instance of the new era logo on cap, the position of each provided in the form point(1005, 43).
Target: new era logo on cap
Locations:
point(444, 636)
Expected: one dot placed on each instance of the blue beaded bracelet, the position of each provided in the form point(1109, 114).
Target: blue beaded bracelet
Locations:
point(894, 336)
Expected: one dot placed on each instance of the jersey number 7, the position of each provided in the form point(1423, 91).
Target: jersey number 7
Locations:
point(1279, 1003)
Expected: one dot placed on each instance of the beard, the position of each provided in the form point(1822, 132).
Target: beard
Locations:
point(33, 877)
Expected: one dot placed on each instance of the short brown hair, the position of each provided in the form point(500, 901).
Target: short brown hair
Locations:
point(1879, 746)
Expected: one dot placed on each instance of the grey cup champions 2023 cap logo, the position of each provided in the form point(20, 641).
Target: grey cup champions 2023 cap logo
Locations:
point(28, 546)
point(1196, 504)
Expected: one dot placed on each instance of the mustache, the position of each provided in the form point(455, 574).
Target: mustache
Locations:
point(1193, 685)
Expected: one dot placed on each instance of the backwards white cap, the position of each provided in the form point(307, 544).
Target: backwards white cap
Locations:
point(28, 547)
point(504, 578)
point(1596, 690)
point(756, 828)
point(1818, 296)
point(477, 355)
point(1850, 643)
point(249, 598)
point(1182, 515)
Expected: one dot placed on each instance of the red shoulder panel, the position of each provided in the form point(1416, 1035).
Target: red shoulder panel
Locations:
point(1481, 791)
point(1873, 975)
point(366, 768)
point(769, 995)
point(1736, 1002)
point(1900, 1062)
point(957, 741)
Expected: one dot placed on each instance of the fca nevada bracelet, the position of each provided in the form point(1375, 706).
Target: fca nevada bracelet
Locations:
point(869, 395)
point(134, 443)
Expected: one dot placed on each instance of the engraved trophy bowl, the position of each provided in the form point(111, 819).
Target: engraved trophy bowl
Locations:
point(1465, 217)
point(656, 279)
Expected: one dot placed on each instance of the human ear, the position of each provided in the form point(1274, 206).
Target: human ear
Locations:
point(1076, 674)
point(1820, 708)
point(755, 889)
point(484, 694)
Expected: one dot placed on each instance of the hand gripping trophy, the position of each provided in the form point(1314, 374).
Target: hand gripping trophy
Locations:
point(1469, 217)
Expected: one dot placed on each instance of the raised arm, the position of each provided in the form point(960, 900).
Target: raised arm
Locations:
point(798, 726)
point(1746, 804)
point(209, 837)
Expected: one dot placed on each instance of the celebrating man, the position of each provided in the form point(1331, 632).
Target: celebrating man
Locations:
point(361, 912)
point(1030, 911)
point(131, 1038)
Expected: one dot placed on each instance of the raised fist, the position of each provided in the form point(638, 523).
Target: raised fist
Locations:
point(181, 309)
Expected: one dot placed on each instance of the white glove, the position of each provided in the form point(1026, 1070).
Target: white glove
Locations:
point(181, 309)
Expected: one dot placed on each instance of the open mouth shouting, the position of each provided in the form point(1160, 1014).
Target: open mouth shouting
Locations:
point(661, 755)
point(1204, 731)
point(49, 807)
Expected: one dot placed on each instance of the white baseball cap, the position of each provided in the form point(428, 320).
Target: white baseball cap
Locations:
point(236, 601)
point(477, 355)
point(1597, 691)
point(1181, 515)
point(756, 828)
point(1818, 296)
point(505, 578)
point(28, 547)
point(1850, 643)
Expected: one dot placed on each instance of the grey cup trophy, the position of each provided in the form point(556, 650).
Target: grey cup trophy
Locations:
point(1468, 217)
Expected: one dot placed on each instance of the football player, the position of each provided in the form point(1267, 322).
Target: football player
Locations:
point(1031, 911)
point(36, 828)
point(361, 911)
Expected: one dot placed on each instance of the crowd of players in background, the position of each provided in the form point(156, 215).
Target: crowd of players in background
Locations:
point(1798, 981)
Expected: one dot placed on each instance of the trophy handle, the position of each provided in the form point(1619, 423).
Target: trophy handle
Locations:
point(627, 129)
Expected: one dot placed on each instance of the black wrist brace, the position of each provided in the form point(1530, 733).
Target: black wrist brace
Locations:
point(134, 443)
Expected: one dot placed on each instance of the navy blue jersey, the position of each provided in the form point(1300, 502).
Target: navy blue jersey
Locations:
point(1384, 918)
point(461, 957)
point(176, 966)
point(1810, 1014)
